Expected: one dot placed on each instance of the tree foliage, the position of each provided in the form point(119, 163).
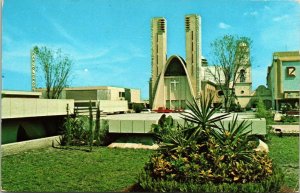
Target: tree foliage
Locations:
point(55, 69)
point(231, 54)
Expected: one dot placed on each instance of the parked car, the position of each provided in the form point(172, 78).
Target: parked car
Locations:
point(163, 110)
point(146, 111)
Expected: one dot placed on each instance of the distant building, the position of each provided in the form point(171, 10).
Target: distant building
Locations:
point(283, 79)
point(112, 99)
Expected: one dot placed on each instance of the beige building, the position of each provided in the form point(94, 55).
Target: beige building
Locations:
point(112, 99)
point(283, 79)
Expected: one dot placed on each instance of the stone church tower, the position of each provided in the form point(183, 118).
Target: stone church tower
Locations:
point(243, 87)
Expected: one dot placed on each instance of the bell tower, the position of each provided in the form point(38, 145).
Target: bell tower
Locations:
point(193, 50)
point(158, 53)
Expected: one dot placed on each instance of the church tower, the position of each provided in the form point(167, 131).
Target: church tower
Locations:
point(243, 87)
point(158, 53)
point(193, 50)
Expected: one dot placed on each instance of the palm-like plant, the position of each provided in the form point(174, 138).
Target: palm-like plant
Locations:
point(202, 117)
point(176, 140)
point(234, 138)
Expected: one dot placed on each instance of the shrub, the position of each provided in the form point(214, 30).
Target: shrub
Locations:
point(104, 138)
point(289, 119)
point(201, 154)
point(137, 107)
point(75, 131)
point(262, 112)
point(270, 184)
point(97, 125)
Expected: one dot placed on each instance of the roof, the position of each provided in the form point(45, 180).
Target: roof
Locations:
point(24, 93)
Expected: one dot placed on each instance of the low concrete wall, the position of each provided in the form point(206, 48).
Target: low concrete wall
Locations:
point(14, 148)
point(141, 123)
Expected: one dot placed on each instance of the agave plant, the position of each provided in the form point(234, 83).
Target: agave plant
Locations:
point(234, 138)
point(176, 140)
point(202, 117)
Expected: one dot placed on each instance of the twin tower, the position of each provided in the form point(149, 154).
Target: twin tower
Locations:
point(175, 80)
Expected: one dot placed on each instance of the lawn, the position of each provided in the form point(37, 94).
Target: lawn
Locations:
point(285, 152)
point(105, 169)
point(57, 170)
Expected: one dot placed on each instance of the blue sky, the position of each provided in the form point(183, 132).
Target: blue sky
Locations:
point(109, 40)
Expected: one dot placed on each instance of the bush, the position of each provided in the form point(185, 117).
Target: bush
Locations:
point(75, 131)
point(262, 112)
point(202, 156)
point(289, 119)
point(137, 107)
point(270, 184)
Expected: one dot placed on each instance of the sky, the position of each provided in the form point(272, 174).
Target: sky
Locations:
point(109, 41)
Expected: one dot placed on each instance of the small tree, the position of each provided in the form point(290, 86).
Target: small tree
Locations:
point(231, 54)
point(55, 68)
point(97, 126)
point(91, 134)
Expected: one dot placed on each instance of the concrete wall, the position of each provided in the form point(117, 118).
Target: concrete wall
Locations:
point(113, 106)
point(115, 93)
point(14, 148)
point(81, 94)
point(26, 107)
point(133, 95)
point(142, 123)
point(21, 129)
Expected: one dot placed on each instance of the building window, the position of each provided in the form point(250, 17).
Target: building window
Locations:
point(121, 94)
point(242, 75)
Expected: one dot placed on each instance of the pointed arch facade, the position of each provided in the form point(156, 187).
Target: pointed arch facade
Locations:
point(173, 88)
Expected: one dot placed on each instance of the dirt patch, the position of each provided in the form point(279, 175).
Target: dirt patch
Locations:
point(133, 188)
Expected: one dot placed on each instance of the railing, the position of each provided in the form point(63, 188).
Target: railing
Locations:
point(86, 111)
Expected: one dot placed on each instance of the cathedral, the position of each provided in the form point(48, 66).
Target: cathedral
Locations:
point(175, 81)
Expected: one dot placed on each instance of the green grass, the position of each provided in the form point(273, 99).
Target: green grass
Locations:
point(57, 170)
point(105, 169)
point(285, 153)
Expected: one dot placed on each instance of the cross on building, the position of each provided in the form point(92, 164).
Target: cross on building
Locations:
point(174, 82)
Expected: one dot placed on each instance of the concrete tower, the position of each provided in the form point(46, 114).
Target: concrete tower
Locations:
point(193, 50)
point(158, 52)
point(243, 87)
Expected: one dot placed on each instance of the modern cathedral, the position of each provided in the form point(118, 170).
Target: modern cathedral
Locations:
point(176, 80)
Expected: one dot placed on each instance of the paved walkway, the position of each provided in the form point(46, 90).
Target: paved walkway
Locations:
point(287, 128)
point(132, 145)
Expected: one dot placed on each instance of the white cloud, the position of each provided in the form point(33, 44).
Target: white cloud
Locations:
point(223, 25)
point(280, 18)
point(91, 56)
point(61, 30)
point(252, 13)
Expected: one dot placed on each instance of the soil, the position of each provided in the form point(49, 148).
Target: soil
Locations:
point(134, 188)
